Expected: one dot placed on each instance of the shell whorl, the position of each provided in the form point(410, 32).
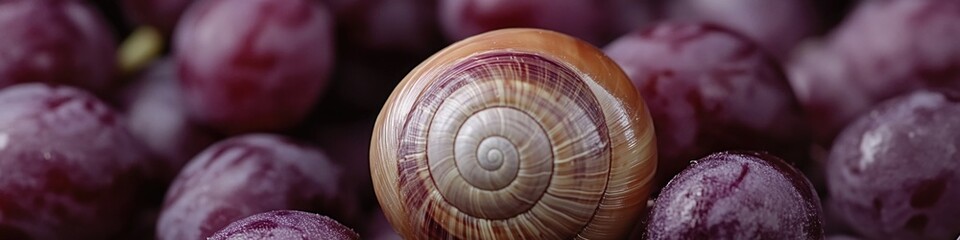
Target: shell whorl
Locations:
point(512, 141)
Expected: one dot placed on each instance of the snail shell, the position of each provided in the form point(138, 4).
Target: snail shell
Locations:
point(520, 133)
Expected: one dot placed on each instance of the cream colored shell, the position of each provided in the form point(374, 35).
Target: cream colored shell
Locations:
point(514, 134)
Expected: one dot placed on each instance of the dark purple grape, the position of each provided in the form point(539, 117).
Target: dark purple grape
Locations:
point(595, 21)
point(737, 195)
point(894, 172)
point(709, 90)
point(157, 116)
point(68, 167)
point(883, 49)
point(161, 14)
point(286, 224)
point(253, 65)
point(777, 26)
point(249, 174)
point(55, 41)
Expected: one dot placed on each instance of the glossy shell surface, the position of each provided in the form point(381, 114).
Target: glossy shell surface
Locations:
point(516, 133)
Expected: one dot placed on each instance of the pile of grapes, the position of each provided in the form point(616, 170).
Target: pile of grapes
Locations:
point(226, 119)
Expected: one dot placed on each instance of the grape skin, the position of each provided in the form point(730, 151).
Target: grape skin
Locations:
point(709, 90)
point(286, 224)
point(249, 174)
point(882, 49)
point(737, 195)
point(64, 42)
point(253, 65)
point(68, 167)
point(785, 22)
point(893, 173)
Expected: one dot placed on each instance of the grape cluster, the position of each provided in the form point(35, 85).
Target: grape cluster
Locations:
point(189, 119)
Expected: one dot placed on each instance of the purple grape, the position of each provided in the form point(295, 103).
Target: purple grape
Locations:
point(777, 26)
point(253, 65)
point(55, 41)
point(161, 14)
point(894, 172)
point(884, 49)
point(157, 116)
point(594, 21)
point(249, 174)
point(709, 90)
point(68, 167)
point(737, 195)
point(286, 224)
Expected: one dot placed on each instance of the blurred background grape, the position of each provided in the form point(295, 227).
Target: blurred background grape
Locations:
point(883, 49)
point(709, 89)
point(65, 42)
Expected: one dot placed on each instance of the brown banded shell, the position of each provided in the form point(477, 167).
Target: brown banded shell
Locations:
point(517, 133)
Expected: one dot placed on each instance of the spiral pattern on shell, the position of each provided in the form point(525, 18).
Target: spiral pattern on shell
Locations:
point(520, 132)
